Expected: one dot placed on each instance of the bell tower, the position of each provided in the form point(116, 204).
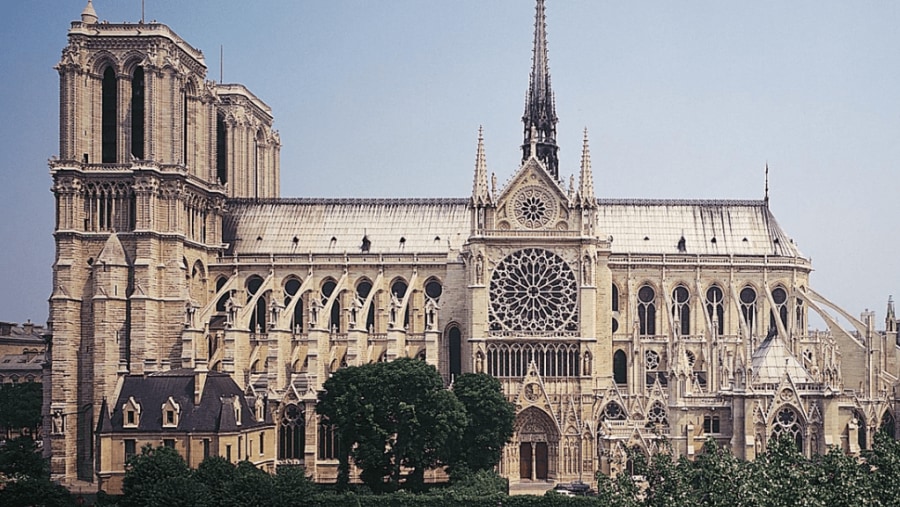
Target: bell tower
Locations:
point(149, 151)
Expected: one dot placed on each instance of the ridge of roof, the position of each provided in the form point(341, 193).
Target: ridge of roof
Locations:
point(418, 201)
point(680, 202)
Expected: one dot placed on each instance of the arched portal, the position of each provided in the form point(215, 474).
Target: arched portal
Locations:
point(538, 441)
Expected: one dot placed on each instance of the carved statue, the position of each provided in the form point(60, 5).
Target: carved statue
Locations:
point(58, 424)
point(315, 305)
point(395, 307)
point(479, 269)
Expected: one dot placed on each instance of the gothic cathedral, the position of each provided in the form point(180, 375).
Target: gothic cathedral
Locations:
point(194, 307)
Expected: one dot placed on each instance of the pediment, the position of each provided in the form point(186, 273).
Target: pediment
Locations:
point(533, 200)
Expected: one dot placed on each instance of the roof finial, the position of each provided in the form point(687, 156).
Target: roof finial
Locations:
point(540, 105)
point(480, 194)
point(767, 182)
point(586, 177)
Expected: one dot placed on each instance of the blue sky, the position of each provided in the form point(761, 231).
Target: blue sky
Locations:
point(681, 99)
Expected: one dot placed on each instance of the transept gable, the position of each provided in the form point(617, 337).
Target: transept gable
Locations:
point(533, 200)
point(532, 393)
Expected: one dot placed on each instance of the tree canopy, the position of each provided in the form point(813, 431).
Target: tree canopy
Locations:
point(390, 416)
point(489, 421)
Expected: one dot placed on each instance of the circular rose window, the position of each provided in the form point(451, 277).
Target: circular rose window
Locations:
point(533, 290)
point(534, 207)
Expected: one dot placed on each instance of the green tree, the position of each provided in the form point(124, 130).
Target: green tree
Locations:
point(25, 477)
point(159, 476)
point(842, 481)
point(20, 407)
point(292, 488)
point(668, 480)
point(389, 416)
point(783, 476)
point(718, 478)
point(489, 421)
point(883, 462)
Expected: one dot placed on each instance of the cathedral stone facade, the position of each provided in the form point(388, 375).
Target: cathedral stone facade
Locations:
point(186, 289)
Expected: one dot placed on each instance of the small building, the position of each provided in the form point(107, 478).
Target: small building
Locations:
point(199, 414)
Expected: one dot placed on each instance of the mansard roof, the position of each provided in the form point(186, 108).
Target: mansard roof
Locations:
point(215, 413)
point(709, 227)
point(298, 226)
point(637, 226)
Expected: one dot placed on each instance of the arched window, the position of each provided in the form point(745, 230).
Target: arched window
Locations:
point(779, 296)
point(137, 113)
point(620, 367)
point(455, 344)
point(615, 307)
point(715, 308)
point(258, 318)
point(109, 116)
point(888, 424)
point(220, 304)
point(398, 290)
point(292, 433)
point(788, 423)
point(221, 149)
point(647, 311)
point(681, 310)
point(748, 308)
point(363, 289)
point(291, 287)
point(327, 442)
point(861, 431)
point(334, 318)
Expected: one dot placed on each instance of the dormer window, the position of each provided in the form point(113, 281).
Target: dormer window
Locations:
point(170, 411)
point(237, 411)
point(131, 411)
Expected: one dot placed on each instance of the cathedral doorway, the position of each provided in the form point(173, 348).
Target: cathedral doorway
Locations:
point(538, 445)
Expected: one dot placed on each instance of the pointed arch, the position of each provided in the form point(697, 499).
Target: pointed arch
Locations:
point(109, 117)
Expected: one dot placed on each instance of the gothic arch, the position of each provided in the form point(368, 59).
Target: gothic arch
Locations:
point(453, 338)
point(131, 61)
point(100, 60)
point(537, 436)
point(788, 419)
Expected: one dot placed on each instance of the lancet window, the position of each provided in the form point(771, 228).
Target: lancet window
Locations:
point(646, 311)
point(620, 367)
point(109, 105)
point(551, 359)
point(363, 288)
point(614, 300)
point(715, 308)
point(291, 433)
point(137, 113)
point(779, 296)
point(748, 309)
point(291, 287)
point(258, 317)
point(109, 206)
point(681, 310)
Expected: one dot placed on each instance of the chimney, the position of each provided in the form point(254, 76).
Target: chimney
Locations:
point(28, 327)
point(200, 374)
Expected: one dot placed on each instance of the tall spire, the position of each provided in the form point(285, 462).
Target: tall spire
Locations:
point(540, 104)
point(586, 177)
point(480, 194)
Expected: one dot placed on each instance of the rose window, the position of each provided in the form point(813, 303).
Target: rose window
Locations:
point(657, 416)
point(533, 290)
point(533, 207)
